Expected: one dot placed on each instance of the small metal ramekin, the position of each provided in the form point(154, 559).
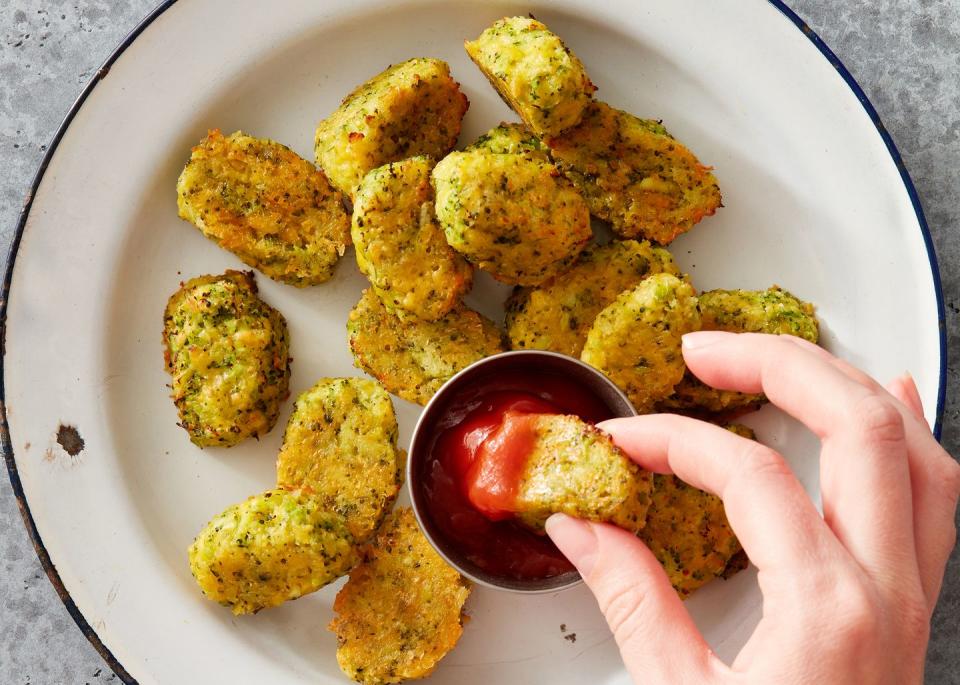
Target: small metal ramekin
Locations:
point(424, 433)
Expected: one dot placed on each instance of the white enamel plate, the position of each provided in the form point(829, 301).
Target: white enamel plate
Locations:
point(814, 201)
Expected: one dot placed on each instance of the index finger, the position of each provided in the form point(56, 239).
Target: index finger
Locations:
point(766, 505)
point(800, 383)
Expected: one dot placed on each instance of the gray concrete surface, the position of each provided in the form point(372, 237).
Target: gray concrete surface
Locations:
point(905, 54)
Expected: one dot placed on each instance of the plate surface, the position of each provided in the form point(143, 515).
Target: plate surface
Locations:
point(813, 202)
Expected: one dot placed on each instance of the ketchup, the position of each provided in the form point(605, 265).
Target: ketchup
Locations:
point(471, 477)
point(492, 480)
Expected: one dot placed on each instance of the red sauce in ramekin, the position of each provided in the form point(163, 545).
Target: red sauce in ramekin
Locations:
point(489, 415)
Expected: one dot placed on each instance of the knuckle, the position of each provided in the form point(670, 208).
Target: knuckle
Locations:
point(761, 459)
point(937, 539)
point(855, 374)
point(859, 621)
point(773, 349)
point(621, 605)
point(878, 418)
point(914, 621)
point(949, 474)
point(947, 538)
point(940, 475)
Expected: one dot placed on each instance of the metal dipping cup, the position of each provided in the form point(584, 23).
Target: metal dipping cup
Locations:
point(425, 433)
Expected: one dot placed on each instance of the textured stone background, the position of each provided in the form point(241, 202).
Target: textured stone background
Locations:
point(905, 54)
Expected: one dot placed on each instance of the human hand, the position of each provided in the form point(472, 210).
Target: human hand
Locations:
point(847, 597)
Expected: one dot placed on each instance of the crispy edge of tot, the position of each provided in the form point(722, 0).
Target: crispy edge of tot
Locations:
point(558, 314)
point(605, 153)
point(692, 397)
point(402, 610)
point(570, 97)
point(309, 224)
point(636, 340)
point(400, 245)
point(361, 128)
point(340, 446)
point(605, 485)
point(392, 349)
point(273, 547)
point(203, 435)
point(676, 505)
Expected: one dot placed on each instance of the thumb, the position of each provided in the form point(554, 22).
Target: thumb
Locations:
point(658, 640)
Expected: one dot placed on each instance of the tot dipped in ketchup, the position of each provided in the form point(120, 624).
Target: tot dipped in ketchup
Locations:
point(509, 452)
point(492, 474)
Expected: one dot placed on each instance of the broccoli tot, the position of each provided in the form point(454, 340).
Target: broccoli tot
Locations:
point(741, 311)
point(401, 247)
point(410, 109)
point(759, 311)
point(413, 358)
point(741, 430)
point(512, 215)
point(572, 467)
point(635, 341)
point(271, 548)
point(340, 445)
point(688, 532)
point(267, 205)
point(401, 611)
point(534, 72)
point(511, 139)
point(557, 314)
point(227, 351)
point(694, 398)
point(634, 174)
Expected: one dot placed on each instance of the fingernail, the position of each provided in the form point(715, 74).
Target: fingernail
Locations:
point(606, 425)
point(701, 339)
point(576, 539)
point(906, 382)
